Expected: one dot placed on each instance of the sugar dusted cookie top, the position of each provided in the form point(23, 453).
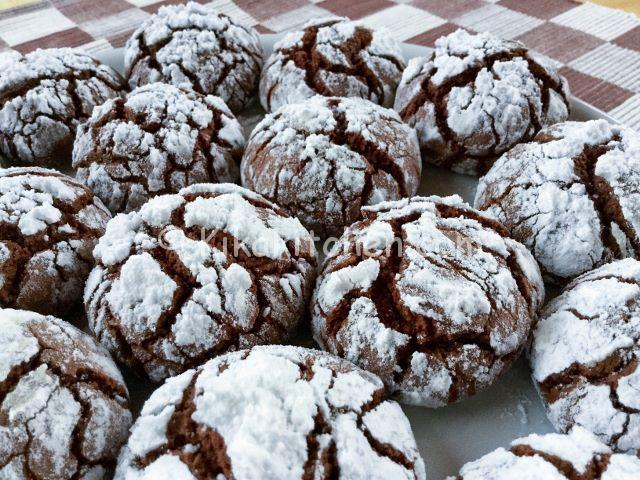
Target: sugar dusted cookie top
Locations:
point(63, 404)
point(332, 57)
point(577, 455)
point(476, 97)
point(429, 294)
point(49, 223)
point(193, 46)
point(158, 139)
point(324, 158)
point(211, 269)
point(44, 95)
point(275, 413)
point(572, 195)
point(585, 355)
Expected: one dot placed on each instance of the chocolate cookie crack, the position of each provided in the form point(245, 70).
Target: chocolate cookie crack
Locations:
point(376, 158)
point(524, 287)
point(514, 185)
point(237, 59)
point(383, 449)
point(605, 372)
point(546, 82)
point(606, 203)
point(593, 470)
point(199, 447)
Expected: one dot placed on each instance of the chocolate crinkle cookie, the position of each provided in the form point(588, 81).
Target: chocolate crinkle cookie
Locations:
point(576, 456)
point(49, 225)
point(272, 413)
point(63, 404)
point(585, 355)
point(192, 275)
point(43, 97)
point(193, 46)
point(572, 196)
point(157, 140)
point(332, 57)
point(430, 295)
point(321, 160)
point(477, 96)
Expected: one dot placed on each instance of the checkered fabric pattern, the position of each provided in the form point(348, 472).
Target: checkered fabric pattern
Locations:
point(596, 48)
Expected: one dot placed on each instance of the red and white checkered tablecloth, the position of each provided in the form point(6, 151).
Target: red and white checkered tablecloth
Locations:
point(597, 48)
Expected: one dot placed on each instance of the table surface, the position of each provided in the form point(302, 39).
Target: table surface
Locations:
point(596, 48)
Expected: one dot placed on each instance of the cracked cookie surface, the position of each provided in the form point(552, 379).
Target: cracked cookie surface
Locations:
point(275, 412)
point(572, 196)
point(49, 223)
point(63, 404)
point(332, 57)
point(321, 160)
point(585, 355)
point(476, 97)
point(157, 140)
point(191, 45)
point(575, 456)
point(430, 295)
point(44, 95)
point(211, 269)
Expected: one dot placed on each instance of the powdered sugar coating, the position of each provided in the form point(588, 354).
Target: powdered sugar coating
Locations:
point(272, 413)
point(572, 196)
point(43, 96)
point(332, 57)
point(157, 140)
point(321, 160)
point(193, 46)
point(585, 355)
point(577, 455)
point(63, 403)
point(439, 309)
point(476, 97)
point(211, 269)
point(49, 224)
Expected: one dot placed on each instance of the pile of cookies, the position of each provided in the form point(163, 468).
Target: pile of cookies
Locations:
point(189, 279)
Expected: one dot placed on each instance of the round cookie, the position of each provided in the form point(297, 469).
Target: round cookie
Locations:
point(477, 96)
point(572, 196)
point(273, 413)
point(193, 46)
point(44, 95)
point(321, 160)
point(49, 225)
point(332, 57)
point(157, 140)
point(576, 456)
point(430, 295)
point(585, 355)
point(196, 274)
point(64, 410)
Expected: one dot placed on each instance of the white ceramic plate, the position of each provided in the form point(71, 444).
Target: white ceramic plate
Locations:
point(451, 436)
